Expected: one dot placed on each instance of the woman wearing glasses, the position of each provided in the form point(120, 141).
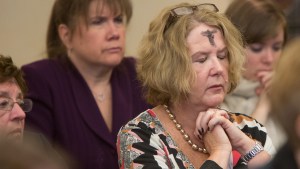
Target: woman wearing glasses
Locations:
point(190, 58)
point(12, 104)
point(21, 149)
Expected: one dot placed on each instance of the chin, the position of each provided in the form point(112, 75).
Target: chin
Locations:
point(114, 61)
point(215, 101)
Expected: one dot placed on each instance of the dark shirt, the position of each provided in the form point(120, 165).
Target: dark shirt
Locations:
point(66, 112)
point(284, 159)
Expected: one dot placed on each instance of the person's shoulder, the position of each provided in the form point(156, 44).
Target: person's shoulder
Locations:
point(252, 129)
point(40, 64)
point(128, 63)
point(144, 117)
point(126, 69)
point(144, 121)
point(240, 117)
point(45, 68)
point(129, 60)
point(246, 122)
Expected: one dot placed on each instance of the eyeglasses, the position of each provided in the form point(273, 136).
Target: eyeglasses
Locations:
point(7, 104)
point(186, 10)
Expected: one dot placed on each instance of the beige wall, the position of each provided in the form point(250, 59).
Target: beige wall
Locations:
point(23, 25)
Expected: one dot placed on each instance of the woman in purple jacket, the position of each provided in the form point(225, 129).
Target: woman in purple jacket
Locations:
point(86, 90)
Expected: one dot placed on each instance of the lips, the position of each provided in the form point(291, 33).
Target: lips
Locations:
point(216, 86)
point(113, 50)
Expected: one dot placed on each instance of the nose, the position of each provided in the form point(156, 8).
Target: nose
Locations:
point(217, 68)
point(269, 57)
point(113, 31)
point(17, 113)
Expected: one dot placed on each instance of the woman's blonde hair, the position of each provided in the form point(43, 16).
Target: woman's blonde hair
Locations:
point(164, 65)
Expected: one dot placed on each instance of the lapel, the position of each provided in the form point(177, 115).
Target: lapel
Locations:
point(87, 107)
point(122, 98)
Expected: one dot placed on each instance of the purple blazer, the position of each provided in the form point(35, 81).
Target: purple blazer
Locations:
point(66, 113)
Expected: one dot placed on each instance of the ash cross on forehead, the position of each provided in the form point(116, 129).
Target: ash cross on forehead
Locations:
point(210, 35)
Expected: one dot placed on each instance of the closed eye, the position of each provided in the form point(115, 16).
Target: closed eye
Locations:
point(201, 59)
point(98, 20)
point(256, 48)
point(222, 55)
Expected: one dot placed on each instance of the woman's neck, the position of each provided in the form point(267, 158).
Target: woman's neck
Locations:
point(186, 114)
point(94, 74)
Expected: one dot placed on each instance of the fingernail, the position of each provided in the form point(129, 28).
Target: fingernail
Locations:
point(200, 132)
point(200, 137)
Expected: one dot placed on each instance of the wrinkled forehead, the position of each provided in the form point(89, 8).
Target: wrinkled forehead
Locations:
point(11, 89)
point(205, 33)
point(100, 7)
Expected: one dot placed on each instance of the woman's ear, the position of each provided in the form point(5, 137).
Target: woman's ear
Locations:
point(65, 35)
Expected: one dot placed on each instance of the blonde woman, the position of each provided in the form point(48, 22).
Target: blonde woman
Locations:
point(191, 57)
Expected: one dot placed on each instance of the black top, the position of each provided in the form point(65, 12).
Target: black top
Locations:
point(284, 159)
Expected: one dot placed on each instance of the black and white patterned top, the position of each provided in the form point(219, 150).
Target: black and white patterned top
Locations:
point(144, 143)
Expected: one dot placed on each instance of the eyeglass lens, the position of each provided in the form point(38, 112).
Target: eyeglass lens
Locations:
point(183, 11)
point(186, 10)
point(26, 105)
point(7, 104)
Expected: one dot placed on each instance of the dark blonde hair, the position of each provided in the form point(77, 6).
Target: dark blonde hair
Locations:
point(257, 20)
point(8, 71)
point(69, 12)
point(164, 64)
point(285, 91)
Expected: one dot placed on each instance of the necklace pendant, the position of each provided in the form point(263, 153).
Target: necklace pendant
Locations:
point(101, 97)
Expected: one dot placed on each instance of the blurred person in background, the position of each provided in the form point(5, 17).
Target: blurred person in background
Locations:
point(86, 89)
point(263, 27)
point(285, 108)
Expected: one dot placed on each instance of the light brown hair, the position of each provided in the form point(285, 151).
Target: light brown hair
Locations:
point(257, 20)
